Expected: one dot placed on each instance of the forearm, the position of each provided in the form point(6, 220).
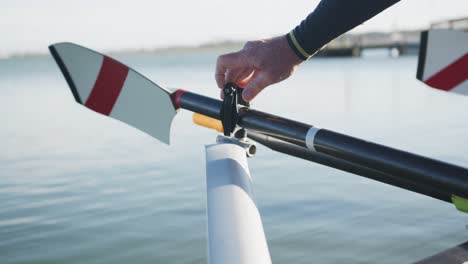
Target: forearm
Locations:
point(330, 19)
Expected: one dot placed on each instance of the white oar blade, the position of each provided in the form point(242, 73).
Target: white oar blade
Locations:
point(111, 88)
point(443, 60)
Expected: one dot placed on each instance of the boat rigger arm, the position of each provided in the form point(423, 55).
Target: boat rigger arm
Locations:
point(329, 20)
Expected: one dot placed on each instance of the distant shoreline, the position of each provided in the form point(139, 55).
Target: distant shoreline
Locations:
point(216, 46)
point(227, 45)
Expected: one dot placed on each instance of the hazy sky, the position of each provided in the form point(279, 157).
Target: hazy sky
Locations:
point(30, 25)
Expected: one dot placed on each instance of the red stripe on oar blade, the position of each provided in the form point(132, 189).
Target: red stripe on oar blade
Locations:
point(450, 76)
point(107, 87)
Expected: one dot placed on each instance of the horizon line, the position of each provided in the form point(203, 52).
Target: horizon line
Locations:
point(206, 46)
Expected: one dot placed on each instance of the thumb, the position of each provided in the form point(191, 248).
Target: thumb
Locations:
point(255, 86)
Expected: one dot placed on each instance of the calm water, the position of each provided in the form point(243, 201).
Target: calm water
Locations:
point(76, 187)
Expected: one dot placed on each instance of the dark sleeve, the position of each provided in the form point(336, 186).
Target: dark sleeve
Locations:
point(330, 19)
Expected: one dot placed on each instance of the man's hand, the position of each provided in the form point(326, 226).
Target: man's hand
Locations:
point(257, 65)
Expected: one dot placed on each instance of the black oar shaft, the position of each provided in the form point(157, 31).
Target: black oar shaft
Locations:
point(324, 159)
point(447, 178)
point(444, 176)
point(201, 104)
point(286, 129)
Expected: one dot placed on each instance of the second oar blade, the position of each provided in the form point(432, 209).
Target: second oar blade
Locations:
point(113, 89)
point(443, 60)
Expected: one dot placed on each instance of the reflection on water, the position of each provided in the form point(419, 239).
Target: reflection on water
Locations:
point(76, 187)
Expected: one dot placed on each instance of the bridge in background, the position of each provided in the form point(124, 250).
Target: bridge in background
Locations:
point(397, 43)
point(352, 45)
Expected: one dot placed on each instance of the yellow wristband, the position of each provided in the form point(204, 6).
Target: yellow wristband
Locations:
point(298, 47)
